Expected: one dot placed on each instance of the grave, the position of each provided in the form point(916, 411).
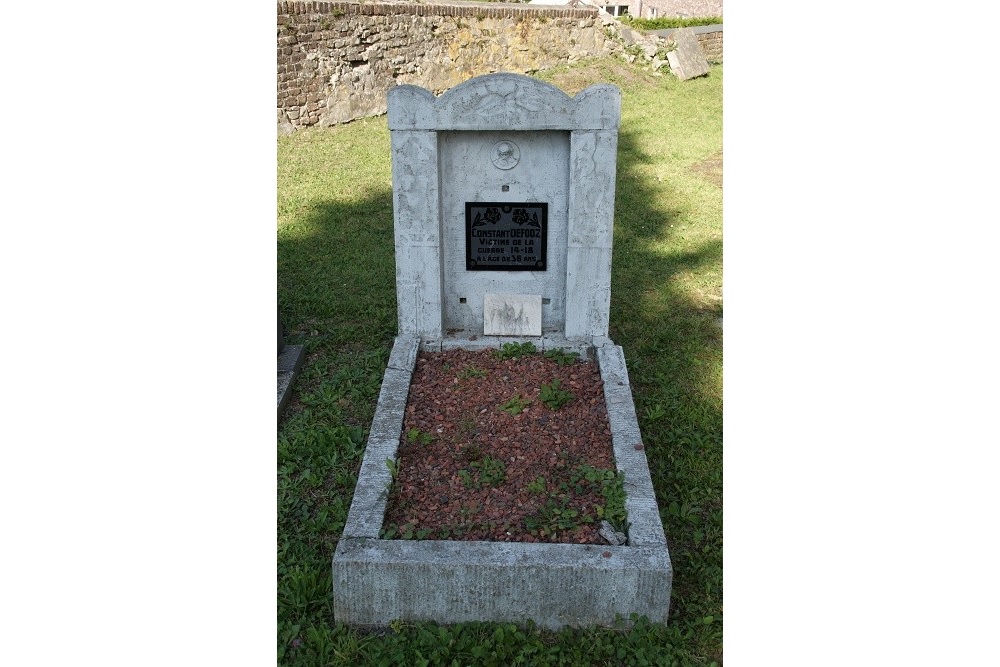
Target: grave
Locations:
point(687, 61)
point(503, 204)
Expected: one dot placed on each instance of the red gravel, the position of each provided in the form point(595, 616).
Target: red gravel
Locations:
point(461, 411)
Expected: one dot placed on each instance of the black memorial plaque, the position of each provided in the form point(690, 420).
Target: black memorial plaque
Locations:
point(505, 236)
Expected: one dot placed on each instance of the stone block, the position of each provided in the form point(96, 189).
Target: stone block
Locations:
point(687, 60)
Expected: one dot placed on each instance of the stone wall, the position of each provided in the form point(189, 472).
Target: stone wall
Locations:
point(337, 60)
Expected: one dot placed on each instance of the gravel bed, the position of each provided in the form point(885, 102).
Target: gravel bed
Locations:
point(468, 470)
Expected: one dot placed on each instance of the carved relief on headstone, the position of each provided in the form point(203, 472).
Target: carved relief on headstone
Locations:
point(505, 155)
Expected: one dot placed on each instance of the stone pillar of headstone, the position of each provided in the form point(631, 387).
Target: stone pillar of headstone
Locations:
point(417, 218)
point(591, 224)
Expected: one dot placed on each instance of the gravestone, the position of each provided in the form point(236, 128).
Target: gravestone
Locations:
point(503, 206)
point(504, 185)
point(687, 60)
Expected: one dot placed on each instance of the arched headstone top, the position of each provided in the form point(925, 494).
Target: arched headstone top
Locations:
point(504, 101)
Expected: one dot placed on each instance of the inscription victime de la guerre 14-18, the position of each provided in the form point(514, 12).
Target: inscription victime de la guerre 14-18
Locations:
point(506, 236)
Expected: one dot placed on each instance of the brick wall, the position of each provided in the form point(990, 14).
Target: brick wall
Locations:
point(711, 44)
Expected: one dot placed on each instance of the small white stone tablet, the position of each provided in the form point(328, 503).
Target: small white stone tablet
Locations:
point(512, 315)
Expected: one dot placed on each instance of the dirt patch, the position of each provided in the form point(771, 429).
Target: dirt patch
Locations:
point(484, 456)
point(710, 169)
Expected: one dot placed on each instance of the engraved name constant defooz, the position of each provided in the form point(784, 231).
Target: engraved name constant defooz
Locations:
point(505, 236)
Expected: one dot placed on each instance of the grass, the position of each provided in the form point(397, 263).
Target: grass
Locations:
point(336, 292)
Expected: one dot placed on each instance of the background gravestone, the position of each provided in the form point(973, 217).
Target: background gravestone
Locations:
point(687, 60)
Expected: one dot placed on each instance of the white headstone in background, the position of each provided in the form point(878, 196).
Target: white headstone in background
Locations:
point(503, 185)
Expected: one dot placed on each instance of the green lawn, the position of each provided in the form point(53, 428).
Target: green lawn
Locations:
point(336, 292)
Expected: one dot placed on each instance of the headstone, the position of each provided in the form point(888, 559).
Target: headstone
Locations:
point(504, 185)
point(687, 60)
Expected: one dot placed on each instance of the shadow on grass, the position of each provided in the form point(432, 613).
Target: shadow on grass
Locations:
point(340, 272)
point(674, 355)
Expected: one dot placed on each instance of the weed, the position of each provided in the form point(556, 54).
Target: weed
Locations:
point(407, 531)
point(553, 517)
point(467, 427)
point(471, 372)
point(516, 405)
point(472, 451)
point(515, 350)
point(488, 472)
point(562, 357)
point(554, 397)
point(393, 467)
point(613, 511)
point(416, 435)
point(536, 486)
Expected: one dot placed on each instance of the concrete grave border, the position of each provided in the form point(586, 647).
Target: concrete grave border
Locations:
point(377, 581)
